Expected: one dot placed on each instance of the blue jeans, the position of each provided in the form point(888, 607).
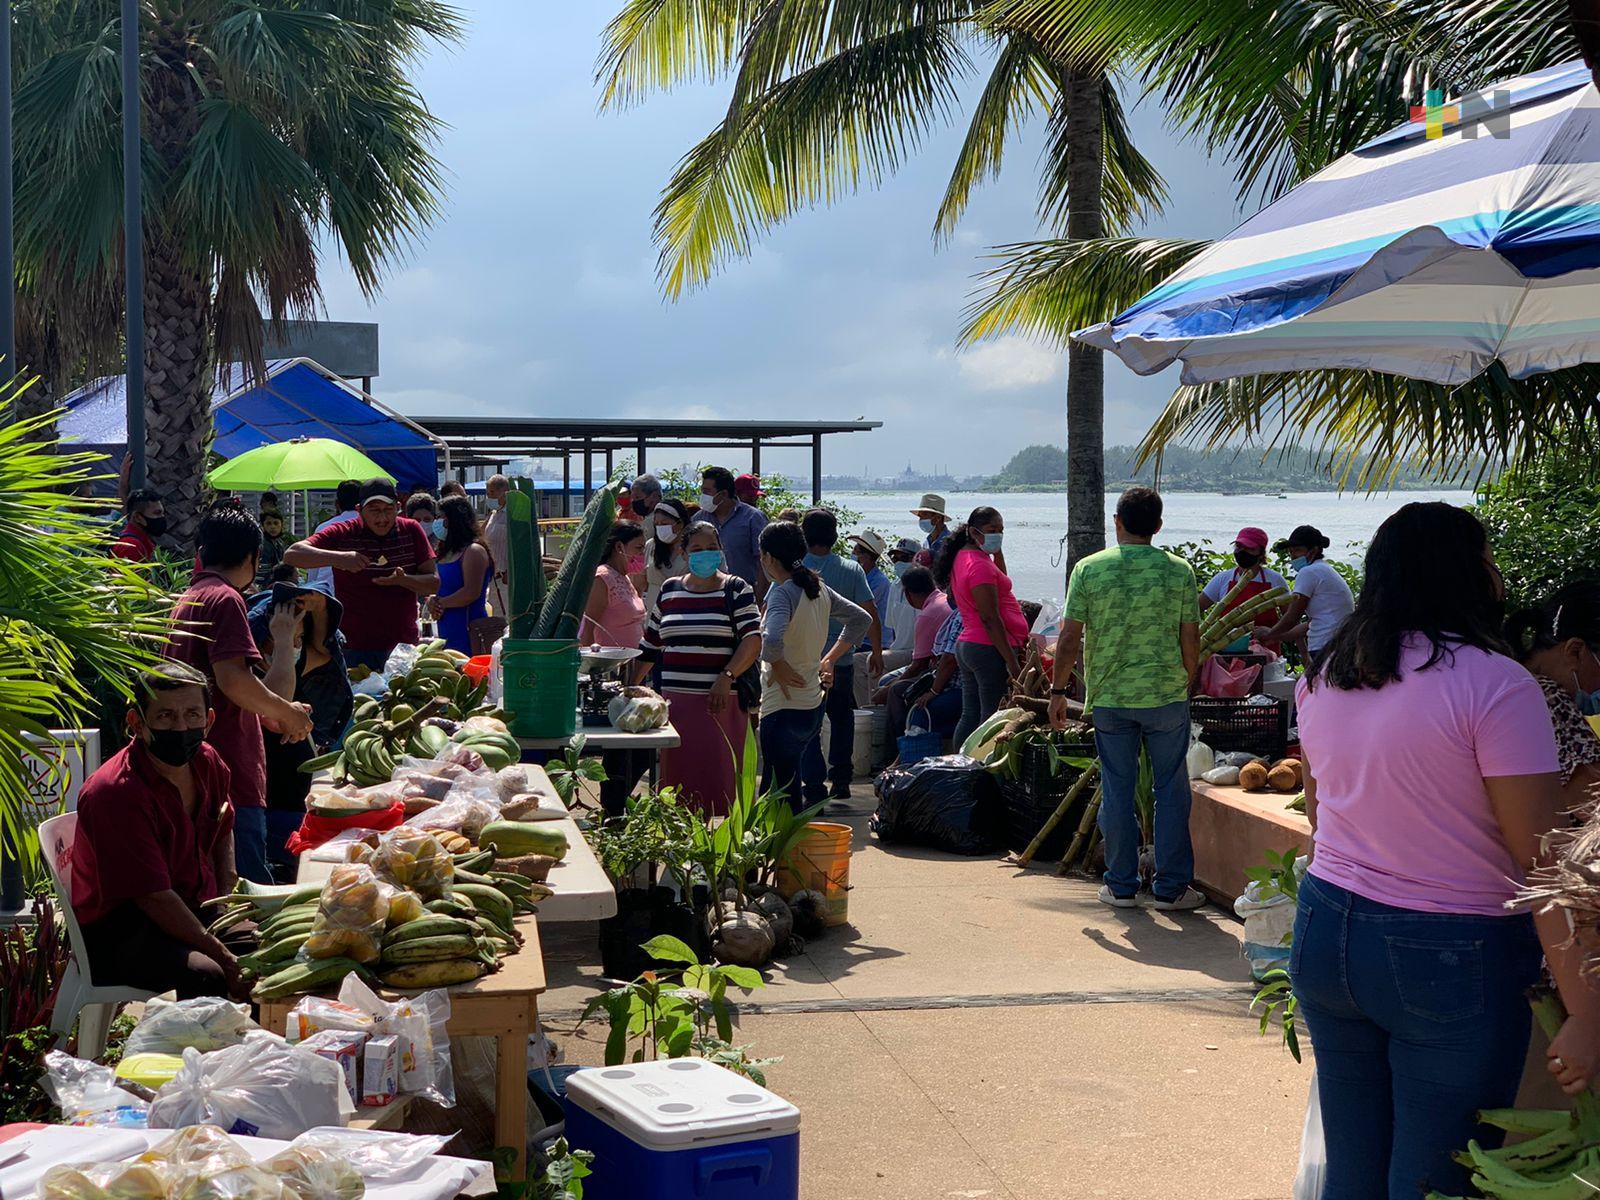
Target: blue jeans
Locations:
point(839, 706)
point(250, 845)
point(1418, 1020)
point(1164, 733)
point(785, 736)
point(281, 822)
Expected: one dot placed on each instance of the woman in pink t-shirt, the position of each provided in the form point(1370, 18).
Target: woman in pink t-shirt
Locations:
point(615, 613)
point(1430, 781)
point(970, 567)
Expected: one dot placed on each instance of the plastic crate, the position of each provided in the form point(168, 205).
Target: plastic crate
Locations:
point(1030, 800)
point(1243, 723)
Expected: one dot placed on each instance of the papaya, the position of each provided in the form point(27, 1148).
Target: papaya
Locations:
point(514, 839)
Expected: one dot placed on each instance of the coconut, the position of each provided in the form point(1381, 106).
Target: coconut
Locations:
point(744, 940)
point(778, 914)
point(810, 909)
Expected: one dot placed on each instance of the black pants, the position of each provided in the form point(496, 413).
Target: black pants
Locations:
point(128, 948)
point(623, 770)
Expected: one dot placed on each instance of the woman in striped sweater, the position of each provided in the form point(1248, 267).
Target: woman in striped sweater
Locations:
point(705, 630)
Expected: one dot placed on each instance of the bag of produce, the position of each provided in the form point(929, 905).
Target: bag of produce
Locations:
point(412, 858)
point(263, 1086)
point(197, 1146)
point(108, 1181)
point(87, 1093)
point(351, 914)
point(315, 1174)
point(637, 710)
point(235, 1183)
point(947, 803)
point(472, 802)
point(206, 1023)
point(422, 1024)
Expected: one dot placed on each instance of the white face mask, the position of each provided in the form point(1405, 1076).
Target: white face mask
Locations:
point(708, 502)
point(666, 534)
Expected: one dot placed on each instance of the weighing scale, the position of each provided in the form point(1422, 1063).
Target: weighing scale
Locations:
point(601, 668)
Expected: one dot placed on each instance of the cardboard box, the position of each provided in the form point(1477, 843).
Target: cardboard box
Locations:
point(344, 1049)
point(380, 1070)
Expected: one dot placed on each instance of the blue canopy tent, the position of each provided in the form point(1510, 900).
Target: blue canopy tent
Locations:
point(298, 398)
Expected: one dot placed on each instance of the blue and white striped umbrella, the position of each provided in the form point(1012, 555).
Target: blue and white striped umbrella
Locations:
point(1428, 257)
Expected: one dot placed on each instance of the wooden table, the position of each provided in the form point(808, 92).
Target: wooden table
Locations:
point(502, 1005)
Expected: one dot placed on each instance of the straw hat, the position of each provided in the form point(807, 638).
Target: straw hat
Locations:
point(932, 506)
point(871, 541)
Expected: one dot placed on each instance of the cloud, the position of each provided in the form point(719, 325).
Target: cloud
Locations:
point(1009, 364)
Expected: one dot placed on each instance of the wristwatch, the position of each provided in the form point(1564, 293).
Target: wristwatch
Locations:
point(1055, 691)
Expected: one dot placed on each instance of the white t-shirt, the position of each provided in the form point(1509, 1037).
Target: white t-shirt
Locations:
point(1222, 583)
point(325, 574)
point(1328, 601)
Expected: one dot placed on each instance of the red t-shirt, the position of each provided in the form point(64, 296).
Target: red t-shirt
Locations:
point(134, 838)
point(134, 544)
point(376, 618)
point(218, 629)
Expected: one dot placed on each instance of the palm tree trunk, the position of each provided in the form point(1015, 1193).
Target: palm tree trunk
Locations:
point(1086, 450)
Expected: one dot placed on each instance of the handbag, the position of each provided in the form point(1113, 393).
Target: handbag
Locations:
point(747, 684)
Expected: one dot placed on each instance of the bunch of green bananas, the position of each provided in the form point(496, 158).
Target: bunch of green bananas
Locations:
point(373, 746)
point(1557, 1162)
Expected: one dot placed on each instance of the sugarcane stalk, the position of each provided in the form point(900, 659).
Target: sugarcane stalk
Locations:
point(1221, 609)
point(1080, 840)
point(1551, 1015)
point(1067, 801)
point(1240, 619)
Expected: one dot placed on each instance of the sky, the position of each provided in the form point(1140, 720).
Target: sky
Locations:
point(535, 293)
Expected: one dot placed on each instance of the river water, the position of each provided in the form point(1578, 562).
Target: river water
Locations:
point(1037, 521)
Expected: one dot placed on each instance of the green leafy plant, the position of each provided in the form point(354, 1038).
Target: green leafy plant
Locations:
point(33, 958)
point(571, 768)
point(1277, 998)
point(1541, 519)
point(656, 831)
point(563, 1173)
point(665, 1014)
point(1277, 876)
point(735, 1058)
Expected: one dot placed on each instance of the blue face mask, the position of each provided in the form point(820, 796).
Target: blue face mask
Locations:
point(926, 525)
point(1299, 564)
point(1588, 702)
point(703, 564)
point(992, 542)
point(437, 525)
point(900, 569)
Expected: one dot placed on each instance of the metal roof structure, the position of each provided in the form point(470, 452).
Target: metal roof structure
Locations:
point(495, 441)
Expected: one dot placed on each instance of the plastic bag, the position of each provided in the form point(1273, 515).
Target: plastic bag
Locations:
point(457, 755)
point(1223, 775)
point(262, 1087)
point(472, 803)
point(107, 1181)
point(947, 803)
point(313, 1014)
point(1228, 677)
point(422, 1024)
point(400, 661)
point(351, 915)
point(424, 777)
point(412, 858)
point(376, 1155)
point(1268, 915)
point(314, 831)
point(206, 1023)
point(313, 1173)
point(1047, 625)
point(197, 1145)
point(87, 1093)
point(1313, 1150)
point(1200, 759)
point(248, 1182)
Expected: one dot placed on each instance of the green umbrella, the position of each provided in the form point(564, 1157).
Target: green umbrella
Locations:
point(296, 465)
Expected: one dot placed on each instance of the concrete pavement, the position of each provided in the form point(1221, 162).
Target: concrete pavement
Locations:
point(981, 1031)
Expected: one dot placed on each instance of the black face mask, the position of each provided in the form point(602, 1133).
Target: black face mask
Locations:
point(176, 747)
point(155, 526)
point(1245, 559)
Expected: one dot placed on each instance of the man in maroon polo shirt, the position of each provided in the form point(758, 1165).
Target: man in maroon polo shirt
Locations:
point(147, 520)
point(211, 632)
point(382, 564)
point(155, 840)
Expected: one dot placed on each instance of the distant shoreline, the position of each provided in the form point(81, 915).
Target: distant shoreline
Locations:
point(1187, 487)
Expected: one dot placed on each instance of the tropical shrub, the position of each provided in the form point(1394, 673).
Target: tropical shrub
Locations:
point(1543, 520)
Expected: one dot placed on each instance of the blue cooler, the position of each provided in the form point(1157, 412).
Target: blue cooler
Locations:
point(684, 1129)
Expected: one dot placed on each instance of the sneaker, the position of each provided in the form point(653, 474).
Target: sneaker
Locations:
point(1107, 896)
point(839, 791)
point(1190, 899)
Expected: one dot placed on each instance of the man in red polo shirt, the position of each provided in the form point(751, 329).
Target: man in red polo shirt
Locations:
point(155, 840)
point(211, 632)
point(147, 520)
point(382, 564)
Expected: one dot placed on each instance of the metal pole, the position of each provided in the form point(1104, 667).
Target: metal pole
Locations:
point(816, 468)
point(642, 446)
point(133, 237)
point(588, 471)
point(566, 484)
point(8, 293)
point(755, 456)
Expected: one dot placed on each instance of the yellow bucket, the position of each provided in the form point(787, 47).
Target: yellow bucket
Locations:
point(820, 862)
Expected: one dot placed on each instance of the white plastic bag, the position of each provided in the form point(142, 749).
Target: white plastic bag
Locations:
point(1268, 916)
point(1047, 625)
point(1313, 1150)
point(400, 661)
point(87, 1093)
point(262, 1087)
point(377, 1156)
point(422, 1025)
point(205, 1022)
point(1201, 760)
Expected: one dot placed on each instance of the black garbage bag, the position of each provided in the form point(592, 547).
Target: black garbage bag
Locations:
point(947, 803)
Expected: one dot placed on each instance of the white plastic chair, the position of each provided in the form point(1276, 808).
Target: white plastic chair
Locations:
point(78, 998)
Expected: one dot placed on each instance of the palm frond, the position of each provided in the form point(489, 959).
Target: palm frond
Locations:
point(1367, 426)
point(654, 45)
point(809, 140)
point(1048, 289)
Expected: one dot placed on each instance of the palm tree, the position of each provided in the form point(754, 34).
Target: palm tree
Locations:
point(828, 96)
point(1280, 88)
point(268, 125)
